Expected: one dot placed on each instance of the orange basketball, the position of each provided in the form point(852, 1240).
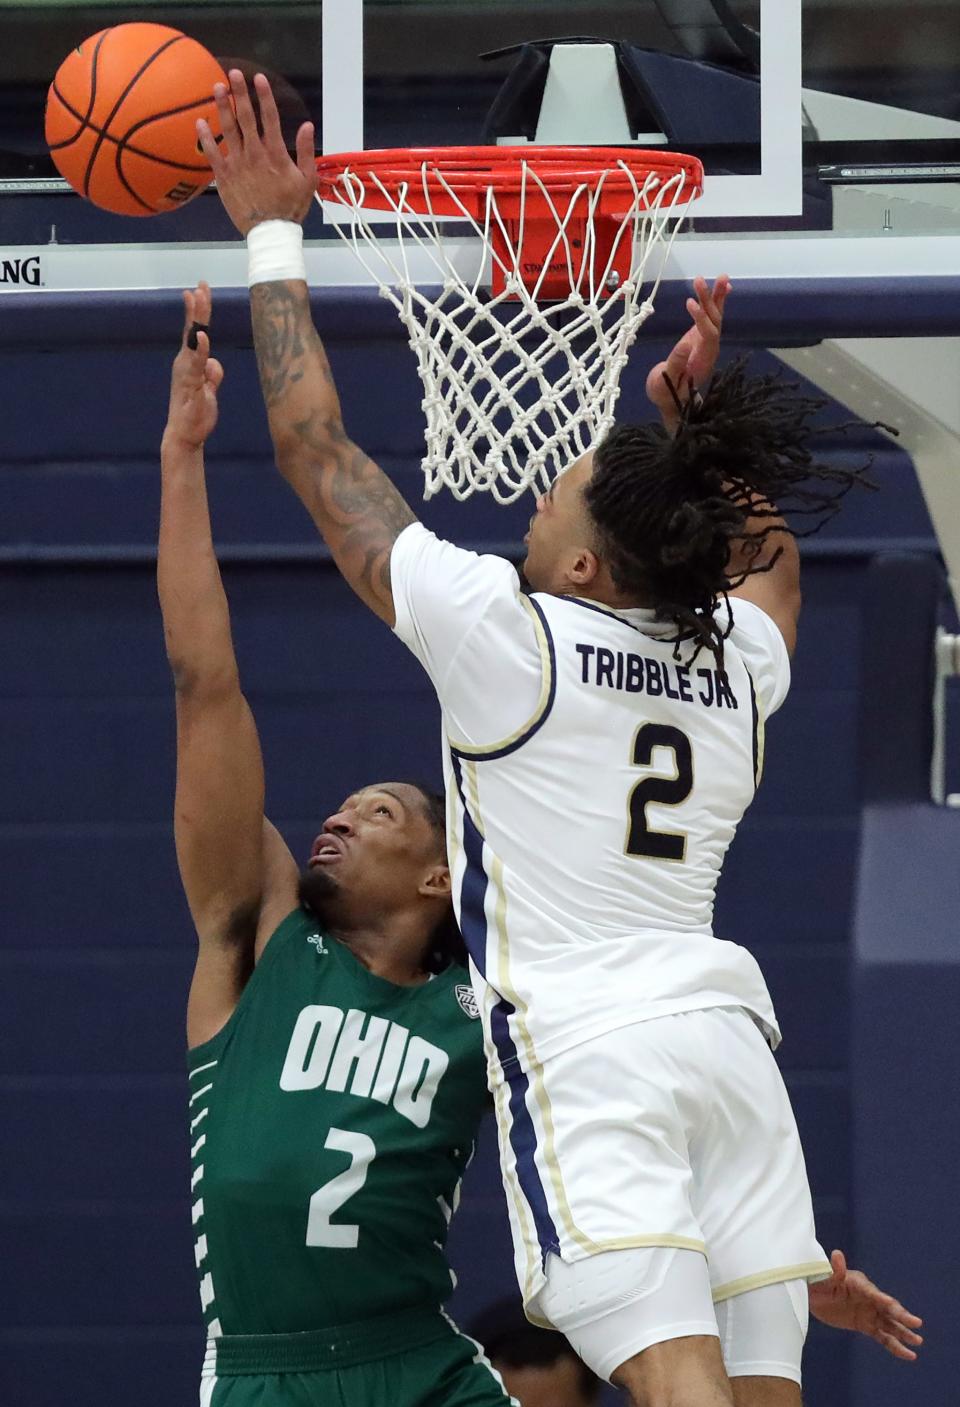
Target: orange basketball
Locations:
point(121, 118)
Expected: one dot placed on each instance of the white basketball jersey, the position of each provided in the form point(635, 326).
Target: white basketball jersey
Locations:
point(594, 783)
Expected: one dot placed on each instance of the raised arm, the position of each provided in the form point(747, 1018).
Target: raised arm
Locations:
point(354, 505)
point(693, 359)
point(218, 810)
point(690, 364)
point(777, 590)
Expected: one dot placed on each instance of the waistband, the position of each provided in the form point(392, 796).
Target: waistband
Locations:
point(341, 1346)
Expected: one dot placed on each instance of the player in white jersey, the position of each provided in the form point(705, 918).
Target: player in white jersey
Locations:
point(602, 738)
point(597, 766)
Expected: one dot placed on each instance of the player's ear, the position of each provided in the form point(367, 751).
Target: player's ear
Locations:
point(585, 566)
point(435, 884)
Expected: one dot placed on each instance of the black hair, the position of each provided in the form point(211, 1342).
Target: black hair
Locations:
point(509, 1338)
point(292, 109)
point(668, 507)
point(446, 943)
point(434, 811)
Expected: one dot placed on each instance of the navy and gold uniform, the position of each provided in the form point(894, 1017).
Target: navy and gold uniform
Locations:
point(596, 773)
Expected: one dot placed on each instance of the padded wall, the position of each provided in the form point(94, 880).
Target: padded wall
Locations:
point(905, 1066)
point(97, 1299)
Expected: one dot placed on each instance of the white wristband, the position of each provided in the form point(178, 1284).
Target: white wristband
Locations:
point(275, 252)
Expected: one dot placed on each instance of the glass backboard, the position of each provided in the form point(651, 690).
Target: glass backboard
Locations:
point(829, 129)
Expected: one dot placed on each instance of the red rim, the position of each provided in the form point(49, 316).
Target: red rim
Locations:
point(471, 171)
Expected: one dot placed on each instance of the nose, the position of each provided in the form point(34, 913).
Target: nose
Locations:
point(340, 824)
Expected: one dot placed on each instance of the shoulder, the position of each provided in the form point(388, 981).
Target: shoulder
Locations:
point(466, 619)
point(293, 926)
point(419, 556)
point(758, 640)
point(210, 1024)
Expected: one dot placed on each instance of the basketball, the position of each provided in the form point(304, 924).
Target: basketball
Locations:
point(121, 118)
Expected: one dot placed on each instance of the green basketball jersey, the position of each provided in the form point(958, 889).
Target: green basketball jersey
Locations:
point(331, 1120)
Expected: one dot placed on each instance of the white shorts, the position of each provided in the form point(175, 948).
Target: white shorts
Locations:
point(673, 1132)
point(617, 1304)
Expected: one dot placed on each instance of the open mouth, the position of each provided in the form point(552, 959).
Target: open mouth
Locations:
point(327, 850)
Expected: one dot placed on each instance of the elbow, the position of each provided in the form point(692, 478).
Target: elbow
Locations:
point(287, 459)
point(203, 683)
point(309, 446)
point(290, 455)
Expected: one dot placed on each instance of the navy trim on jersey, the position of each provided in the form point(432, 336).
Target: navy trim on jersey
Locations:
point(473, 918)
point(473, 926)
point(611, 614)
point(756, 731)
point(526, 734)
point(523, 1135)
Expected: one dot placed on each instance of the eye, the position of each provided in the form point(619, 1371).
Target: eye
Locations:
point(382, 806)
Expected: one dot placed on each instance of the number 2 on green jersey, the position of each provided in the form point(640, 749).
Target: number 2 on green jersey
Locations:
point(338, 1190)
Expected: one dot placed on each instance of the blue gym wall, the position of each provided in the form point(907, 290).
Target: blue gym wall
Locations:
point(98, 1301)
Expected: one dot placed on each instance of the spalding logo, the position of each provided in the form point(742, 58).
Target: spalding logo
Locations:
point(17, 271)
point(182, 192)
point(468, 1001)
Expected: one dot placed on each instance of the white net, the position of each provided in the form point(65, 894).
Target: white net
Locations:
point(514, 389)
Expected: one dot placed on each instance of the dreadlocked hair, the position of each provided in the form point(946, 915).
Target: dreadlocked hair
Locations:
point(667, 508)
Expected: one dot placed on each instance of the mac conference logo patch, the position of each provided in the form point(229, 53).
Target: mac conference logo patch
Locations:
point(468, 1002)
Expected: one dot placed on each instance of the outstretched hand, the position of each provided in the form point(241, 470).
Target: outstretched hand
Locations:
point(196, 375)
point(694, 357)
point(849, 1300)
point(256, 177)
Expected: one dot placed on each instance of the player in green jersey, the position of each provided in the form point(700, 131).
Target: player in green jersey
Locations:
point(336, 1061)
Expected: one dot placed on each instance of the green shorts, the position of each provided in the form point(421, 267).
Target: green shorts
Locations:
point(414, 1359)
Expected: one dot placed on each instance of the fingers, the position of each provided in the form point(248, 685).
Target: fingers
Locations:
point(710, 301)
point(306, 159)
point(721, 288)
point(269, 116)
point(213, 369)
point(230, 132)
point(903, 1317)
point(705, 343)
point(879, 1301)
point(246, 118)
point(894, 1347)
point(706, 320)
point(202, 302)
point(228, 126)
point(193, 329)
point(864, 1288)
point(197, 303)
point(839, 1262)
point(680, 355)
point(897, 1339)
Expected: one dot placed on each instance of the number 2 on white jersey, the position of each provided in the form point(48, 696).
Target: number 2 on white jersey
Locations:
point(664, 791)
point(333, 1194)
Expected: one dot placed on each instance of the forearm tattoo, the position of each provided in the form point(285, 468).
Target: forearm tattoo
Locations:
point(353, 503)
point(279, 314)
